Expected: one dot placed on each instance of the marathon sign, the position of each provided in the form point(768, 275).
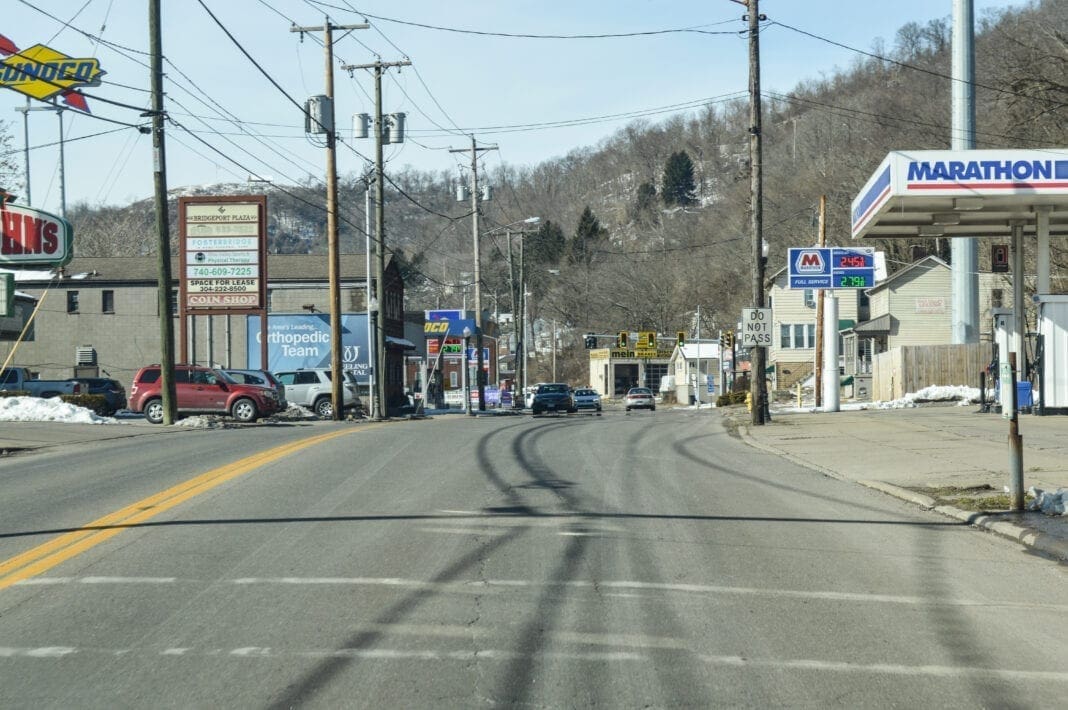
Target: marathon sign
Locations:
point(989, 173)
point(906, 176)
point(30, 237)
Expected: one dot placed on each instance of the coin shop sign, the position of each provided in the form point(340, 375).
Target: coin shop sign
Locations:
point(222, 255)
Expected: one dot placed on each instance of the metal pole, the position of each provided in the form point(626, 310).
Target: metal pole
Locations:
point(964, 264)
point(467, 380)
point(554, 350)
point(757, 387)
point(26, 145)
point(521, 347)
point(62, 165)
point(819, 364)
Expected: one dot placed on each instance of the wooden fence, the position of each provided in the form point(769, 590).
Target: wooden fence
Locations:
point(910, 368)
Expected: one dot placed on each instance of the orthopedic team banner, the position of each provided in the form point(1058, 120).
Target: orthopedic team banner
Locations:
point(303, 340)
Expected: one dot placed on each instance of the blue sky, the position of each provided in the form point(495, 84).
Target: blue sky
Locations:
point(458, 84)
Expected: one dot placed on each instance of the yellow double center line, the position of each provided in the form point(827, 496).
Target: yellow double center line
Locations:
point(44, 557)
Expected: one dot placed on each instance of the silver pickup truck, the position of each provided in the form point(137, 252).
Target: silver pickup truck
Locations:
point(20, 379)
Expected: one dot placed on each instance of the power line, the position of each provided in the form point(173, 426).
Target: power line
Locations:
point(695, 29)
point(901, 64)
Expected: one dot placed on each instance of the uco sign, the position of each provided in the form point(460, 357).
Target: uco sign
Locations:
point(756, 327)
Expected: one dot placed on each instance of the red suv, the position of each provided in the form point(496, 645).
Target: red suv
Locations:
point(201, 390)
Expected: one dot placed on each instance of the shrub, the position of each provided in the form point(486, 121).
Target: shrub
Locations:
point(97, 403)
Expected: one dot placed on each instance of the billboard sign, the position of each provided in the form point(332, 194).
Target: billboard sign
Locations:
point(223, 250)
point(832, 267)
point(31, 237)
point(41, 72)
point(303, 340)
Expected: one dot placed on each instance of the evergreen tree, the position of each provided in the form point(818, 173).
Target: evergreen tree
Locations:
point(588, 236)
point(678, 187)
point(547, 245)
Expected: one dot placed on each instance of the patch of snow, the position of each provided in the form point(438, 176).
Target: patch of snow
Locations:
point(36, 409)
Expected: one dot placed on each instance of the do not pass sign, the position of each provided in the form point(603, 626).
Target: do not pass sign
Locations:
point(756, 327)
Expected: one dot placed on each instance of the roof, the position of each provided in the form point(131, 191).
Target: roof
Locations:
point(970, 193)
point(874, 326)
point(927, 262)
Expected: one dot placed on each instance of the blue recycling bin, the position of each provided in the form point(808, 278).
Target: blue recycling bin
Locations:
point(1023, 395)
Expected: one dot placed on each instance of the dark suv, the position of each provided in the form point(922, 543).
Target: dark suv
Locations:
point(201, 390)
point(553, 397)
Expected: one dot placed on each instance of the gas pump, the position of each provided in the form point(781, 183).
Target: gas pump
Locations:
point(1005, 343)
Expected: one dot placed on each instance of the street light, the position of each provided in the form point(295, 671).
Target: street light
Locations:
point(466, 379)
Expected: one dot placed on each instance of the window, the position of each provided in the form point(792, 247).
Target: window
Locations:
point(107, 301)
point(72, 301)
point(797, 335)
point(810, 298)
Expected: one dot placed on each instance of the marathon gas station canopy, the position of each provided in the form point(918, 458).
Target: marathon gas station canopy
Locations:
point(1012, 194)
point(968, 193)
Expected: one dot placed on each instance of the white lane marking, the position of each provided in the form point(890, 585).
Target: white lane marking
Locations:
point(620, 588)
point(128, 580)
point(45, 581)
point(460, 512)
point(790, 664)
point(567, 533)
point(886, 668)
point(631, 586)
point(257, 651)
point(41, 652)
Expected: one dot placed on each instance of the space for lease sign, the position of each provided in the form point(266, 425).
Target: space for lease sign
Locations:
point(223, 253)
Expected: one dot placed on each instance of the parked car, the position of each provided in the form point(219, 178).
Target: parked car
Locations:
point(20, 379)
point(201, 390)
point(587, 398)
point(112, 390)
point(313, 388)
point(260, 378)
point(552, 397)
point(639, 398)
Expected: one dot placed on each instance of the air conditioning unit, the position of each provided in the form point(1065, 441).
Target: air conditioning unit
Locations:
point(84, 355)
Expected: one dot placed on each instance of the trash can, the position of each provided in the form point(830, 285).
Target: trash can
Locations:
point(1023, 396)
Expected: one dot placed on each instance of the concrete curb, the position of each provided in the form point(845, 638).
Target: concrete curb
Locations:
point(1041, 542)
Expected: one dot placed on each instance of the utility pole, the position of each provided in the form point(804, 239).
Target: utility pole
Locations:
point(337, 378)
point(380, 378)
point(479, 375)
point(757, 388)
point(818, 365)
point(163, 230)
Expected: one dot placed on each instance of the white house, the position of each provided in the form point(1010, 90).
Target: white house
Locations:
point(692, 365)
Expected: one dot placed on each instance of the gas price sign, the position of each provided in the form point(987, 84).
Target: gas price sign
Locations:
point(832, 267)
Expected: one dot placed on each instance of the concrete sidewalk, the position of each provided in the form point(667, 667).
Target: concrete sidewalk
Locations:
point(931, 446)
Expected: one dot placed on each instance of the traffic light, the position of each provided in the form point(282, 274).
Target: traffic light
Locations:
point(680, 338)
point(650, 340)
point(591, 341)
point(622, 343)
point(728, 339)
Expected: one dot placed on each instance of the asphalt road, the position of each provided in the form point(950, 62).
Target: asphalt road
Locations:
point(641, 560)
